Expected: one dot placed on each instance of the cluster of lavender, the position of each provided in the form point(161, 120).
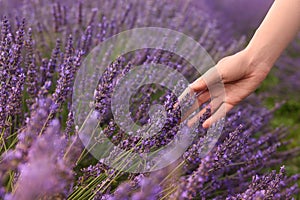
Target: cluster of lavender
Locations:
point(41, 154)
point(238, 156)
point(46, 164)
point(141, 187)
point(268, 187)
point(246, 148)
point(12, 75)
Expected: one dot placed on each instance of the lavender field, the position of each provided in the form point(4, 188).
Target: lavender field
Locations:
point(44, 47)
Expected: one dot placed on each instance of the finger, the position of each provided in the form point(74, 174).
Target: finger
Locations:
point(201, 99)
point(193, 121)
point(213, 106)
point(198, 85)
point(219, 114)
point(187, 91)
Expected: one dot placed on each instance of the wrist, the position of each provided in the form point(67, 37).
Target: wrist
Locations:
point(259, 58)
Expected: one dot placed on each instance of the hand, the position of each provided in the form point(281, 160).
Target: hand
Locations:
point(226, 84)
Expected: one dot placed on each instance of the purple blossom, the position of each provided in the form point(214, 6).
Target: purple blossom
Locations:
point(47, 172)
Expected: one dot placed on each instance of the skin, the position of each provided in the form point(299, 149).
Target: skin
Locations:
point(244, 71)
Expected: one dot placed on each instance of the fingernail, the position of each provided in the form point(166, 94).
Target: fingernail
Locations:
point(205, 125)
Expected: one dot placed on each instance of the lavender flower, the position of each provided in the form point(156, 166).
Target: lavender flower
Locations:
point(44, 163)
point(141, 187)
point(67, 75)
point(27, 136)
point(264, 187)
point(31, 78)
point(13, 77)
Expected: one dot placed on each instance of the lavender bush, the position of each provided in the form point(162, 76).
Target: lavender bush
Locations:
point(42, 47)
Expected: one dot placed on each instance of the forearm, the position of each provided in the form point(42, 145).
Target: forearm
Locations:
point(277, 30)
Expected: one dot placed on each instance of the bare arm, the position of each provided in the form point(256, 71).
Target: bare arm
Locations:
point(279, 27)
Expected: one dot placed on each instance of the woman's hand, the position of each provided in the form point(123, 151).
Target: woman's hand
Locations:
point(230, 81)
point(243, 72)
